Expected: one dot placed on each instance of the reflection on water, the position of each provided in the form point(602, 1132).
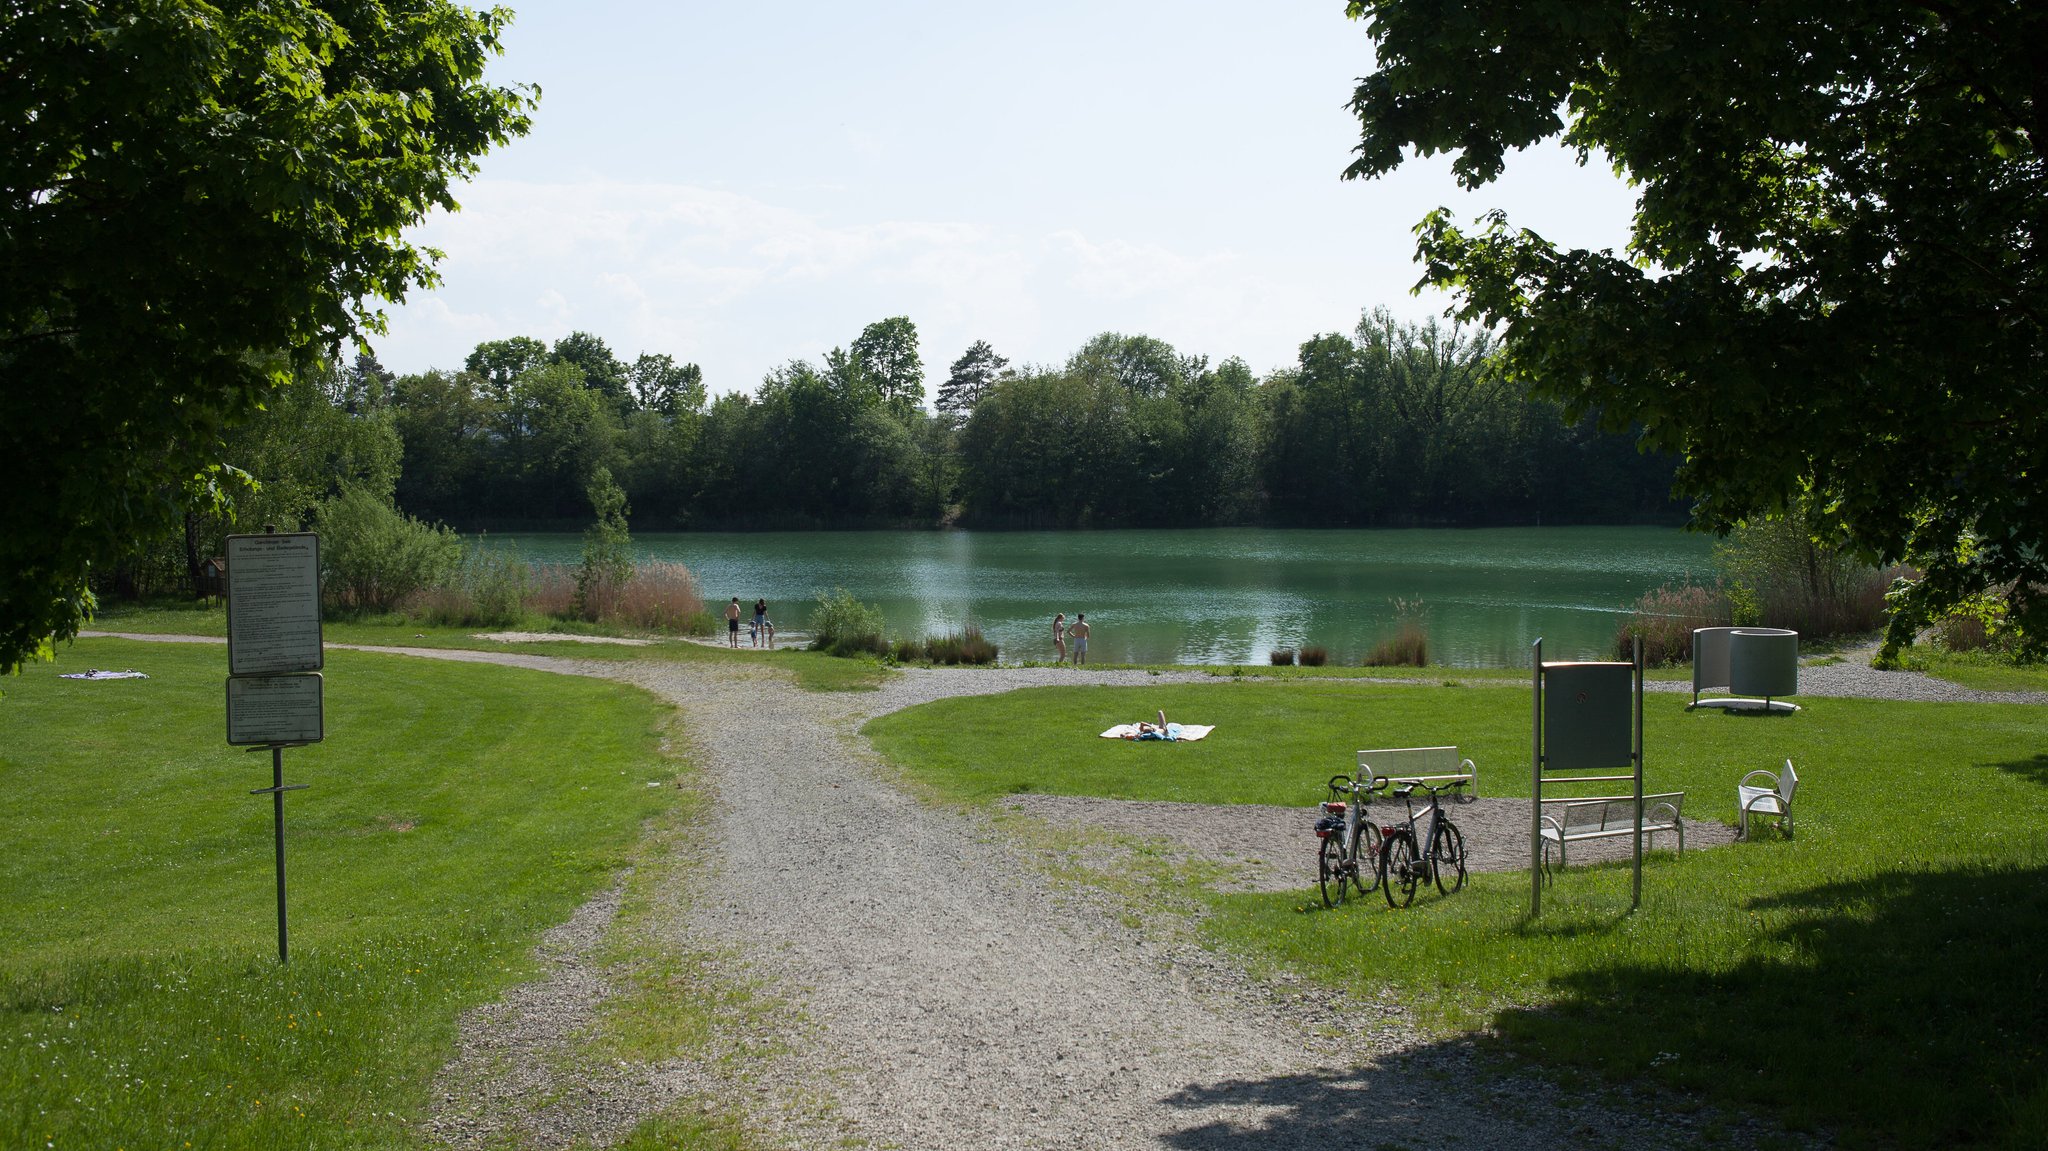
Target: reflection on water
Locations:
point(1217, 596)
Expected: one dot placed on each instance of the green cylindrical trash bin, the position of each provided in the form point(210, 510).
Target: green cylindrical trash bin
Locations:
point(1763, 661)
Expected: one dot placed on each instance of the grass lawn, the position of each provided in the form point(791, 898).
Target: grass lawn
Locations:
point(455, 811)
point(1881, 974)
point(1976, 669)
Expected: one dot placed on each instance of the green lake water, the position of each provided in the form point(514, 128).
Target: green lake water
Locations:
point(1214, 596)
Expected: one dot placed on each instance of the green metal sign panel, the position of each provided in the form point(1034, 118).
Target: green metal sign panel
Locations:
point(1588, 715)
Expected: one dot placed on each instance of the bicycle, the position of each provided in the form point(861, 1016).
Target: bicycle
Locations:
point(1347, 840)
point(1406, 864)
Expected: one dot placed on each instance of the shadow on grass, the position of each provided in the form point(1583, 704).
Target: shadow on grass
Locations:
point(1906, 1010)
point(2033, 770)
point(1910, 1009)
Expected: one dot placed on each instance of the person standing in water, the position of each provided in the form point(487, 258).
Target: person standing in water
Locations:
point(1059, 637)
point(760, 619)
point(1079, 634)
point(732, 623)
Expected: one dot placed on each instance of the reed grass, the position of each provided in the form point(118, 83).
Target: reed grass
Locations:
point(1281, 656)
point(1408, 647)
point(1666, 617)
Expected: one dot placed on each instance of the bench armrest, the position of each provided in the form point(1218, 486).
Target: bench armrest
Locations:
point(1759, 773)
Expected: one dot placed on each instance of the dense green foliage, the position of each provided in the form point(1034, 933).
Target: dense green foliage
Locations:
point(373, 556)
point(1398, 424)
point(1836, 289)
point(843, 625)
point(607, 561)
point(1877, 975)
point(193, 199)
point(455, 812)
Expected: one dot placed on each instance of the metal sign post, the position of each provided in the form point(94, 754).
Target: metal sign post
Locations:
point(1585, 716)
point(275, 693)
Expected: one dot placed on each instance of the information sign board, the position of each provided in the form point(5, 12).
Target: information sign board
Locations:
point(276, 709)
point(274, 604)
point(1588, 715)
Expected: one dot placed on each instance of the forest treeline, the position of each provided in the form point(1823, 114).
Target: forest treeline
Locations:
point(1393, 424)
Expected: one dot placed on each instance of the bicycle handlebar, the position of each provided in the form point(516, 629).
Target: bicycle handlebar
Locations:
point(1344, 784)
point(1432, 788)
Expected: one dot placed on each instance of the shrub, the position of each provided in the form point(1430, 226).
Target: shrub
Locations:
point(1666, 617)
point(842, 625)
point(1778, 575)
point(1314, 655)
point(907, 651)
point(374, 556)
point(1281, 656)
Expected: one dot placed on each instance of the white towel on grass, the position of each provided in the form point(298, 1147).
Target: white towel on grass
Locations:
point(1188, 732)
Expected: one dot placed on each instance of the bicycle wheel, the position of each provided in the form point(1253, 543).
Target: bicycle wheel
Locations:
point(1365, 862)
point(1450, 856)
point(1404, 870)
point(1330, 869)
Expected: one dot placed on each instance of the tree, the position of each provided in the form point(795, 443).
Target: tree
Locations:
point(193, 201)
point(1834, 295)
point(967, 379)
point(886, 353)
point(602, 371)
point(499, 362)
point(607, 562)
point(659, 384)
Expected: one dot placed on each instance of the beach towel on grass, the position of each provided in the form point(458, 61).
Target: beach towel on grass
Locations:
point(1186, 732)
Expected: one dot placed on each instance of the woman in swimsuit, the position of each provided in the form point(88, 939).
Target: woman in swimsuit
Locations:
point(1059, 636)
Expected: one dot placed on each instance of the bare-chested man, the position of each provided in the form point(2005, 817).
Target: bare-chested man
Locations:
point(1079, 635)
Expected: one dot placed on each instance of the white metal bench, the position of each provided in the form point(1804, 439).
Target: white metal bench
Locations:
point(1774, 799)
point(1567, 821)
point(1418, 764)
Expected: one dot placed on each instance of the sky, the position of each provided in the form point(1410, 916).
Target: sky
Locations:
point(741, 185)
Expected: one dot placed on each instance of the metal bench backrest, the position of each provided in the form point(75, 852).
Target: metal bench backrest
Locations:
point(1408, 762)
point(1787, 784)
point(1604, 811)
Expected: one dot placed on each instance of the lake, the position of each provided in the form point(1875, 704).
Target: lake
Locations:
point(1209, 596)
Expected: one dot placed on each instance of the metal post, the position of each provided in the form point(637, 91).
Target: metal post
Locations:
point(277, 810)
point(1536, 780)
point(1636, 893)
